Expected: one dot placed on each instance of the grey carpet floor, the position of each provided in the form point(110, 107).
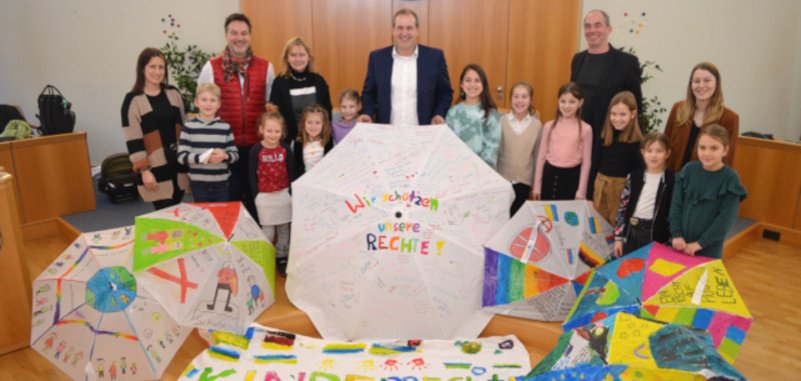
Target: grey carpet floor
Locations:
point(108, 215)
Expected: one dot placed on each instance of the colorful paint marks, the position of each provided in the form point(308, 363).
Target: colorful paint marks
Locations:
point(494, 358)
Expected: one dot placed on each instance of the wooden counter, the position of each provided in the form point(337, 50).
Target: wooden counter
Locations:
point(52, 175)
point(771, 172)
point(15, 299)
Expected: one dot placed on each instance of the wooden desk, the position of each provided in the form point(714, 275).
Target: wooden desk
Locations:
point(15, 300)
point(771, 172)
point(52, 175)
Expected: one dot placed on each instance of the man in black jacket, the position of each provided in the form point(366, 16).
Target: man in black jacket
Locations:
point(602, 71)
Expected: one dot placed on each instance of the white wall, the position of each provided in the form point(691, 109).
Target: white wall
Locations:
point(88, 49)
point(755, 44)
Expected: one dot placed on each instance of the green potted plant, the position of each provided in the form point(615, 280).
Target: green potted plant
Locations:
point(183, 61)
point(652, 108)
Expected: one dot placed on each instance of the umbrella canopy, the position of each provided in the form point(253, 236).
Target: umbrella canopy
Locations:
point(536, 264)
point(661, 283)
point(207, 263)
point(387, 234)
point(624, 347)
point(92, 318)
point(268, 354)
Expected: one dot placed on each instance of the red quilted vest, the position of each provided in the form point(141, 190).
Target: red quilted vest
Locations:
point(242, 113)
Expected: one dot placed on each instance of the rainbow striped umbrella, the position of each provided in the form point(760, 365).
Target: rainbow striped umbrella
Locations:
point(92, 319)
point(536, 264)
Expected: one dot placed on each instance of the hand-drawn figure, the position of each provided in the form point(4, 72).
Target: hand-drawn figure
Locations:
point(42, 289)
point(61, 346)
point(68, 354)
point(123, 365)
point(112, 370)
point(42, 310)
point(153, 354)
point(133, 368)
point(226, 280)
point(49, 342)
point(100, 368)
point(78, 357)
point(167, 240)
point(256, 295)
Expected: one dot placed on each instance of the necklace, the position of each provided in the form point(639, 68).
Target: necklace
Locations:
point(296, 78)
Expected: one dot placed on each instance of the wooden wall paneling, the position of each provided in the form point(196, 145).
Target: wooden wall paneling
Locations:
point(421, 8)
point(472, 31)
point(543, 37)
point(274, 23)
point(15, 283)
point(53, 176)
point(345, 32)
point(771, 174)
point(797, 219)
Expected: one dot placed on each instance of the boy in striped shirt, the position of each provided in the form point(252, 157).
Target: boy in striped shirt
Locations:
point(207, 147)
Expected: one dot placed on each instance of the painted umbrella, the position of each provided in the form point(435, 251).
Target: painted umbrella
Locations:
point(535, 265)
point(660, 283)
point(92, 318)
point(624, 347)
point(387, 233)
point(208, 263)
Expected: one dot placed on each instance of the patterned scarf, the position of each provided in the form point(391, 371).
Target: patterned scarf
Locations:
point(232, 65)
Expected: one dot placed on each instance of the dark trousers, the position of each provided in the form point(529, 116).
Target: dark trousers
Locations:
point(521, 195)
point(177, 196)
point(209, 191)
point(639, 235)
point(559, 183)
point(239, 183)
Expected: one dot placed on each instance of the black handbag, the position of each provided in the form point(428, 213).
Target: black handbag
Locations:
point(54, 112)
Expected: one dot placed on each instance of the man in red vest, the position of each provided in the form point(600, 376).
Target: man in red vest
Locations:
point(245, 82)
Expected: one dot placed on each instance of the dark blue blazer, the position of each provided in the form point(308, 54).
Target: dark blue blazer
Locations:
point(434, 92)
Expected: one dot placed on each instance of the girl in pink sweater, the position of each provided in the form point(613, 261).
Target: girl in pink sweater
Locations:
point(563, 161)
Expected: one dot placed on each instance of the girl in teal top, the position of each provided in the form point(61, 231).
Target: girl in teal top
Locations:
point(706, 197)
point(475, 119)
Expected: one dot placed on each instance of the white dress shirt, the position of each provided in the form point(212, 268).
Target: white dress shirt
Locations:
point(404, 89)
point(519, 126)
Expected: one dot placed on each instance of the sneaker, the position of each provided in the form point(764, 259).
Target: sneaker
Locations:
point(280, 265)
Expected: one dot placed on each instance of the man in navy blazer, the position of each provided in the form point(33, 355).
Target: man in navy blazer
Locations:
point(406, 83)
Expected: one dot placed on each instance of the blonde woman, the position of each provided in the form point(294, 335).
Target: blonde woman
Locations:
point(298, 86)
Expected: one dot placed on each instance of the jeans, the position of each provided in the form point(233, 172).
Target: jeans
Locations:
point(204, 191)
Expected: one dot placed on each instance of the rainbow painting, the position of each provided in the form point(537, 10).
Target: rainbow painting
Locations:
point(508, 280)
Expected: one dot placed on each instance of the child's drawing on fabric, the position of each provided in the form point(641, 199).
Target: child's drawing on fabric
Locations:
point(386, 237)
point(536, 263)
point(95, 319)
point(659, 283)
point(268, 354)
point(625, 347)
point(208, 263)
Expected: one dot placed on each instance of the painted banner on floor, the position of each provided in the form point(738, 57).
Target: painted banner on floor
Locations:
point(269, 354)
